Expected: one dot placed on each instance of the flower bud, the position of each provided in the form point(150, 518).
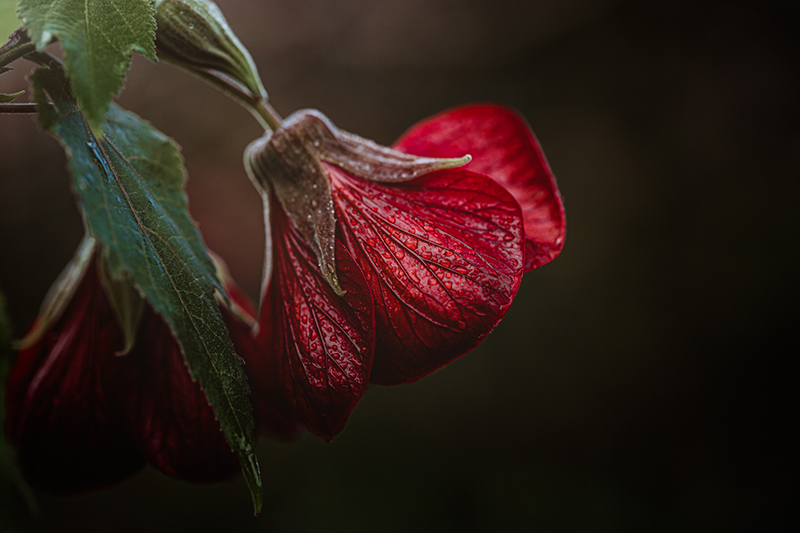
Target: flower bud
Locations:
point(195, 35)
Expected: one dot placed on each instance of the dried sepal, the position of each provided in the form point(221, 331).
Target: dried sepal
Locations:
point(290, 162)
point(60, 293)
point(362, 157)
point(125, 300)
point(284, 162)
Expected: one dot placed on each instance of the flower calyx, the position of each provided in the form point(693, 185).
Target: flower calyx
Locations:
point(126, 302)
point(195, 35)
point(291, 162)
point(123, 296)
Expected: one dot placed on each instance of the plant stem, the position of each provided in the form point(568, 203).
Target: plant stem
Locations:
point(268, 114)
point(17, 45)
point(18, 108)
point(257, 105)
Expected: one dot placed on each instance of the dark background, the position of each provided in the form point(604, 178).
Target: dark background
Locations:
point(640, 382)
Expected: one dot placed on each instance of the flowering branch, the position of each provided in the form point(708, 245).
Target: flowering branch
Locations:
point(382, 264)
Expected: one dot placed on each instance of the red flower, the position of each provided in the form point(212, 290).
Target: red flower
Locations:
point(384, 266)
point(86, 408)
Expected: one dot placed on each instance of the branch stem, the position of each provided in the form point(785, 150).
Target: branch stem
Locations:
point(256, 104)
point(17, 45)
point(18, 108)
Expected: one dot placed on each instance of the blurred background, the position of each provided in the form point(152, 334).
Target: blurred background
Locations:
point(640, 382)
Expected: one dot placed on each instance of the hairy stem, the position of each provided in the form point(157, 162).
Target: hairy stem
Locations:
point(260, 109)
point(17, 45)
point(269, 115)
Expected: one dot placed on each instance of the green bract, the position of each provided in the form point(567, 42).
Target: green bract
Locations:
point(195, 35)
point(130, 186)
point(98, 37)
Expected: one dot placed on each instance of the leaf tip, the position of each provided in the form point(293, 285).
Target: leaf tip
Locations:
point(9, 97)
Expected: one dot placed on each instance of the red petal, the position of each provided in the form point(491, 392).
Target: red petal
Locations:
point(443, 257)
point(59, 397)
point(503, 147)
point(325, 342)
point(167, 413)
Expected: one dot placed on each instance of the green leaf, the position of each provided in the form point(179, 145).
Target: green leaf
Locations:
point(98, 37)
point(8, 97)
point(130, 185)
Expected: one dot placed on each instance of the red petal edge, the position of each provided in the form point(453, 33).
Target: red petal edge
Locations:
point(267, 398)
point(503, 147)
point(442, 256)
point(324, 342)
point(60, 395)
